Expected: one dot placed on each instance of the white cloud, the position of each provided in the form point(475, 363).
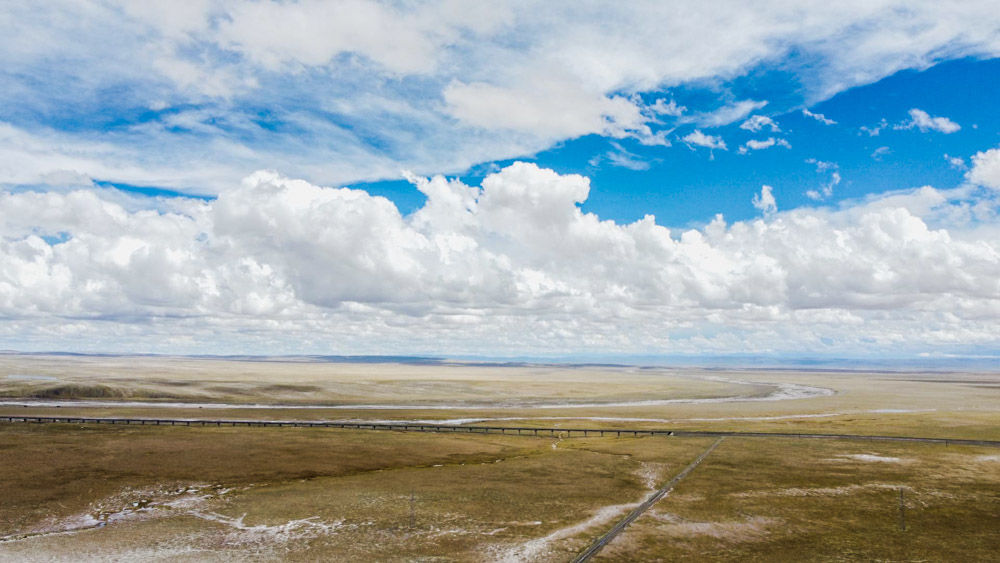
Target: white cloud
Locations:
point(671, 108)
point(547, 110)
point(726, 114)
point(314, 33)
point(758, 122)
point(430, 86)
point(923, 121)
point(818, 117)
point(822, 165)
point(875, 130)
point(986, 169)
point(834, 180)
point(826, 190)
point(756, 145)
point(700, 139)
point(622, 158)
point(284, 266)
point(878, 153)
point(956, 162)
point(765, 200)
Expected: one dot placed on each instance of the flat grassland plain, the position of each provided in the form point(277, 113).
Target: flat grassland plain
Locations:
point(99, 492)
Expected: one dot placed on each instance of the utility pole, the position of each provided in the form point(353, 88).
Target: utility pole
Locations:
point(412, 514)
point(902, 512)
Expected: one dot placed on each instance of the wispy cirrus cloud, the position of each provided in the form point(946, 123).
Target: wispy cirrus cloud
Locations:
point(818, 117)
point(700, 139)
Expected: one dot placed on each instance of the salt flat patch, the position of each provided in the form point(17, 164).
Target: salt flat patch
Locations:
point(649, 472)
point(873, 458)
point(240, 533)
point(819, 491)
point(534, 549)
point(31, 377)
point(749, 529)
point(476, 420)
point(128, 505)
point(175, 551)
point(779, 392)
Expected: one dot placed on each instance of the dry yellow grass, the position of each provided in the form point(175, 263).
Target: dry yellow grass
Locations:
point(338, 494)
point(762, 500)
point(218, 380)
point(308, 494)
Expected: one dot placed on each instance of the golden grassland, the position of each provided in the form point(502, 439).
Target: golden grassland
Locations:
point(763, 500)
point(303, 382)
point(475, 497)
point(85, 492)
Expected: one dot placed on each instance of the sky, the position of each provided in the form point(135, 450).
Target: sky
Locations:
point(504, 179)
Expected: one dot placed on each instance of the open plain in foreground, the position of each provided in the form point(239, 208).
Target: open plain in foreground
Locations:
point(98, 492)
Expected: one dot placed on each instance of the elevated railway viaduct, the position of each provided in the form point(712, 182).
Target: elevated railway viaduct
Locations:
point(476, 429)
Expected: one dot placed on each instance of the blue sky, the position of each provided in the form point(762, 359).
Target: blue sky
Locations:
point(524, 179)
point(683, 186)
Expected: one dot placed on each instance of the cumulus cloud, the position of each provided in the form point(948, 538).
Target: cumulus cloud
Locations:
point(756, 145)
point(986, 169)
point(920, 119)
point(700, 139)
point(758, 122)
point(765, 200)
point(282, 265)
point(956, 162)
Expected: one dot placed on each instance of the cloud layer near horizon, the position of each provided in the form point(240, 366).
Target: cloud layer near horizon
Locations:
point(279, 265)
